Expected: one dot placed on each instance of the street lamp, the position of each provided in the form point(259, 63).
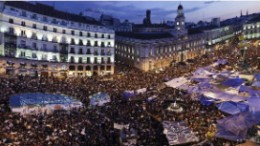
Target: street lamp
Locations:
point(258, 62)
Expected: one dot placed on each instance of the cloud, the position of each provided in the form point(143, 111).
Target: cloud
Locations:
point(210, 2)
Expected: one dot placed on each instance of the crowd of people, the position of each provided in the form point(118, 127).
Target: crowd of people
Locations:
point(95, 126)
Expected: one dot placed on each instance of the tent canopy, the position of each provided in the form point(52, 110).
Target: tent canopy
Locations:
point(232, 108)
point(233, 82)
point(176, 82)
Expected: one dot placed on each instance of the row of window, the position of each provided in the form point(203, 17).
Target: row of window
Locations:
point(72, 49)
point(251, 26)
point(88, 68)
point(53, 20)
point(63, 39)
point(71, 67)
point(72, 32)
point(72, 58)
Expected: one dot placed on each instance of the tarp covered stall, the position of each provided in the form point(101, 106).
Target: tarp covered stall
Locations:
point(29, 103)
point(256, 84)
point(235, 127)
point(222, 96)
point(257, 77)
point(178, 133)
point(233, 82)
point(202, 72)
point(206, 101)
point(232, 107)
point(176, 82)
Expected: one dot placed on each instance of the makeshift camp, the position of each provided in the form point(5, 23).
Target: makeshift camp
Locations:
point(256, 84)
point(178, 133)
point(222, 96)
point(206, 101)
point(35, 103)
point(233, 82)
point(99, 99)
point(235, 127)
point(176, 82)
point(257, 77)
point(202, 72)
point(232, 108)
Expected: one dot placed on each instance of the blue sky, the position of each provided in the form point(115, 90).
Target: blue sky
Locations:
point(134, 11)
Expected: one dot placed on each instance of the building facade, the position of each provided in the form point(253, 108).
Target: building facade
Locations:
point(157, 51)
point(153, 48)
point(37, 39)
point(251, 30)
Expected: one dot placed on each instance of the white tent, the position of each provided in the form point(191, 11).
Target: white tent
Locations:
point(176, 82)
point(222, 96)
point(202, 72)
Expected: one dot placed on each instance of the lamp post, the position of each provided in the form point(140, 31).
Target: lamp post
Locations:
point(258, 62)
point(244, 55)
point(257, 48)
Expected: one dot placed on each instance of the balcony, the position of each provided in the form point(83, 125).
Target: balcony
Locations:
point(24, 46)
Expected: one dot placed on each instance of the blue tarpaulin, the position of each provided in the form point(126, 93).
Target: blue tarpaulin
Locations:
point(257, 77)
point(128, 94)
point(39, 99)
point(206, 101)
point(233, 82)
point(235, 127)
point(233, 108)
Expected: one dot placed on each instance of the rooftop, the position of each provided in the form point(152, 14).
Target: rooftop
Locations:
point(255, 19)
point(51, 11)
point(145, 36)
point(152, 25)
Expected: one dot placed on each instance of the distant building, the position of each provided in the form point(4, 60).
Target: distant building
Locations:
point(180, 29)
point(37, 39)
point(125, 26)
point(147, 19)
point(251, 29)
point(92, 13)
point(156, 46)
point(109, 21)
point(215, 22)
point(170, 23)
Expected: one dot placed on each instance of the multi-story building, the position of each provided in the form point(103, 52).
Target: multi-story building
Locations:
point(251, 30)
point(37, 39)
point(125, 26)
point(152, 50)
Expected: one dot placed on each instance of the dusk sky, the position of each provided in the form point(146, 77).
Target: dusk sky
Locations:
point(134, 11)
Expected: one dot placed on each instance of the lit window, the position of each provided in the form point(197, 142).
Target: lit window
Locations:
point(177, 23)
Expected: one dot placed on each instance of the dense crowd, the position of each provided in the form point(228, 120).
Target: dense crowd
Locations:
point(95, 126)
